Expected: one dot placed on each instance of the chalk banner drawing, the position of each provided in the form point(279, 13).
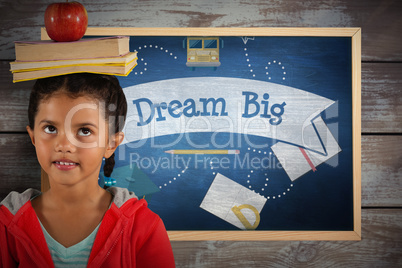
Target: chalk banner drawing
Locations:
point(231, 133)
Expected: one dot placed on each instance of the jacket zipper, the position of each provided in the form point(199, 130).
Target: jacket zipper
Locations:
point(114, 244)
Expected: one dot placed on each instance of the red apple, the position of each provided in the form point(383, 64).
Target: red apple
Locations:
point(66, 21)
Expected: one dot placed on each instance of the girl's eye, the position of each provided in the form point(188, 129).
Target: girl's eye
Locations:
point(50, 130)
point(84, 132)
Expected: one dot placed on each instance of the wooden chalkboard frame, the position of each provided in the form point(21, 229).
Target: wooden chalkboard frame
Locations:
point(355, 35)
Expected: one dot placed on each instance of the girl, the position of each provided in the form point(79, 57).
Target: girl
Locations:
point(74, 122)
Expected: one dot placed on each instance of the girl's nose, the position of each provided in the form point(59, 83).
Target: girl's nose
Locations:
point(64, 144)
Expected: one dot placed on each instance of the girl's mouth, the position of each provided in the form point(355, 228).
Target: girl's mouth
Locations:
point(65, 165)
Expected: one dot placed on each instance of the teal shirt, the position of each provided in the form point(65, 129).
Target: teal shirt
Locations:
point(74, 256)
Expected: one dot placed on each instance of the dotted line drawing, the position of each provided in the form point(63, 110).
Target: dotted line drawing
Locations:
point(248, 62)
point(153, 47)
point(270, 66)
point(250, 177)
point(174, 179)
point(283, 194)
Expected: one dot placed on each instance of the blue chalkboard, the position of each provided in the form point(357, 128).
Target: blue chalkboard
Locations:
point(241, 133)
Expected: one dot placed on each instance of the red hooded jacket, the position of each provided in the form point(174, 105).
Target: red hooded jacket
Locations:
point(130, 235)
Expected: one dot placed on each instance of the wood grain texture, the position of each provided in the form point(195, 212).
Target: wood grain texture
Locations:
point(356, 131)
point(265, 235)
point(19, 168)
point(14, 99)
point(382, 171)
point(381, 246)
point(381, 99)
point(380, 20)
point(219, 31)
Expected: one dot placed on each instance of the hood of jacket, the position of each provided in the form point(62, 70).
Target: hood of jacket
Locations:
point(19, 218)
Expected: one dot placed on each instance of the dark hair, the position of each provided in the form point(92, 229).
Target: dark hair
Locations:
point(105, 88)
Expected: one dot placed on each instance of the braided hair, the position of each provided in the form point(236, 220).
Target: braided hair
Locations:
point(104, 88)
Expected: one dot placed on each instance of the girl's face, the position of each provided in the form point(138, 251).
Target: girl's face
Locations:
point(71, 138)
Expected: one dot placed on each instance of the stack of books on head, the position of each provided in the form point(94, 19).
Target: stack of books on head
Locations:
point(108, 55)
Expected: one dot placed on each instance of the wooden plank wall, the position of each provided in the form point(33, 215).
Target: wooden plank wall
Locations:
point(381, 23)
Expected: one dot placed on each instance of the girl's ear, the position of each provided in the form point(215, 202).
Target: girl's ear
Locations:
point(31, 134)
point(114, 141)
